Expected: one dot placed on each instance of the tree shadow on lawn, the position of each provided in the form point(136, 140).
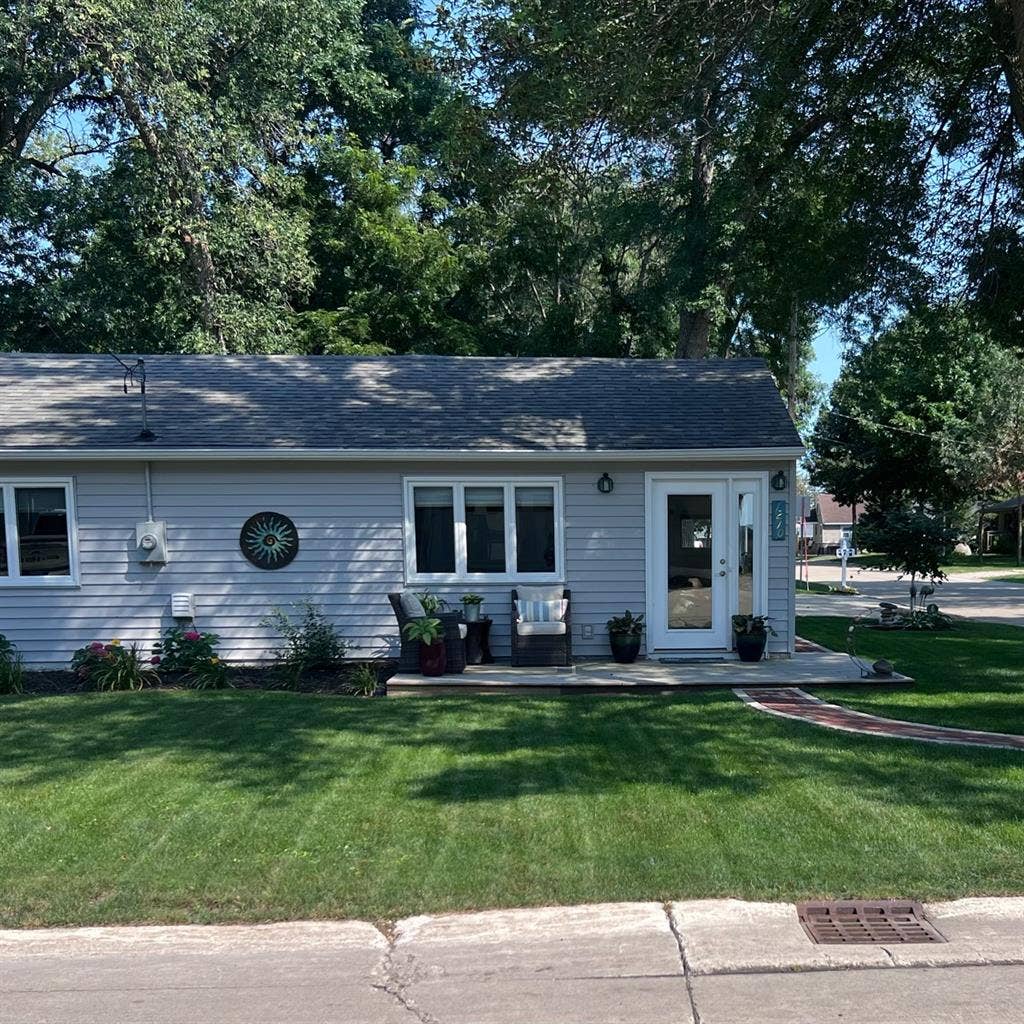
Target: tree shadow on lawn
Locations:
point(476, 750)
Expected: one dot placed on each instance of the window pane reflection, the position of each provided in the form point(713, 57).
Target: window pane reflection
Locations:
point(689, 561)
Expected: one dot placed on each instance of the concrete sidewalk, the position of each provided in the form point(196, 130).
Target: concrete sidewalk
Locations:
point(701, 962)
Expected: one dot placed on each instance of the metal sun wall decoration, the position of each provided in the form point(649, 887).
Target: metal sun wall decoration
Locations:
point(269, 540)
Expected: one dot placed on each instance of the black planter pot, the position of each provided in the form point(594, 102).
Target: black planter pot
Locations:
point(625, 647)
point(750, 646)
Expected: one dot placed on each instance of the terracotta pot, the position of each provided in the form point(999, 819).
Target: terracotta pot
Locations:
point(625, 647)
point(432, 658)
point(750, 646)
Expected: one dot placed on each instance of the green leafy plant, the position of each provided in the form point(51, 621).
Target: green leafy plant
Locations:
point(311, 643)
point(11, 667)
point(472, 599)
point(428, 631)
point(113, 666)
point(756, 624)
point(362, 680)
point(626, 625)
point(432, 604)
point(193, 654)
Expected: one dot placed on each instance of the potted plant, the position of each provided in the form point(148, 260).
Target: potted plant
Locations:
point(751, 634)
point(624, 632)
point(430, 634)
point(471, 606)
point(432, 604)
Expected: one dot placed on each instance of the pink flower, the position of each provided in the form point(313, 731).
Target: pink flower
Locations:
point(155, 660)
point(192, 634)
point(96, 646)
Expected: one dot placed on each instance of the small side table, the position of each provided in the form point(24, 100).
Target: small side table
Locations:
point(478, 642)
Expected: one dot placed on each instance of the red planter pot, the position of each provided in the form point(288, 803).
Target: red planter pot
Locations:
point(432, 659)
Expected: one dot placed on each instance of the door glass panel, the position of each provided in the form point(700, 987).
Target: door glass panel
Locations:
point(746, 554)
point(485, 529)
point(690, 573)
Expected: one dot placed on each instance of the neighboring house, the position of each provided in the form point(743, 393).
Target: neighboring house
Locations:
point(453, 474)
point(1000, 527)
point(833, 524)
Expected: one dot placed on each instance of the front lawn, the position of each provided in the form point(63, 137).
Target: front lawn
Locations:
point(952, 566)
point(231, 806)
point(970, 676)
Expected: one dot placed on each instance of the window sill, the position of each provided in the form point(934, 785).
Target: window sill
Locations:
point(60, 583)
point(482, 579)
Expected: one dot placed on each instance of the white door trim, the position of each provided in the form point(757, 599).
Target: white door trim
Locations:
point(755, 482)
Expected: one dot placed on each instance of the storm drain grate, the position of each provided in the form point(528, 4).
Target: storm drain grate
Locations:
point(861, 921)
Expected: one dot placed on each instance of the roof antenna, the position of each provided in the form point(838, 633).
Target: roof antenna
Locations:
point(137, 375)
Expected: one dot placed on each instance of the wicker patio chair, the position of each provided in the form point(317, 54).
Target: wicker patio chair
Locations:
point(546, 648)
point(454, 643)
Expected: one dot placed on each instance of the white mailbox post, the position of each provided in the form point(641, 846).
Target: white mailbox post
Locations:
point(844, 553)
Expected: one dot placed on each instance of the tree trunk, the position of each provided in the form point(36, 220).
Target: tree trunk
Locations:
point(1007, 23)
point(694, 334)
point(980, 539)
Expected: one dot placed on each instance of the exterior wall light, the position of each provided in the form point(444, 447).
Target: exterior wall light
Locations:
point(606, 484)
point(779, 481)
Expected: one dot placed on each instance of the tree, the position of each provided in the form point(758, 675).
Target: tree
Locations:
point(883, 440)
point(196, 110)
point(765, 135)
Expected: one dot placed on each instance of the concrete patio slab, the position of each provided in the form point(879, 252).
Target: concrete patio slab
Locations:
point(805, 668)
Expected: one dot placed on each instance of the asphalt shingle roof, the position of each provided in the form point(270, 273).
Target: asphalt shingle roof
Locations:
point(399, 403)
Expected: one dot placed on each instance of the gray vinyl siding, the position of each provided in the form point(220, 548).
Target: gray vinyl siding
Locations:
point(350, 519)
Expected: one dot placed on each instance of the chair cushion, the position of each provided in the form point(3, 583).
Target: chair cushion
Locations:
point(540, 628)
point(412, 605)
point(548, 592)
point(541, 611)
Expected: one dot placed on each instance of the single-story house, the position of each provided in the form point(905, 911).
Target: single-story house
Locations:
point(652, 485)
point(833, 524)
point(1000, 527)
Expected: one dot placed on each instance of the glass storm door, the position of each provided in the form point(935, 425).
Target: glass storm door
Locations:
point(690, 581)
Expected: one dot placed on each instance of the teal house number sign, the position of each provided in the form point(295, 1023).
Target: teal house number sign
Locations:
point(778, 520)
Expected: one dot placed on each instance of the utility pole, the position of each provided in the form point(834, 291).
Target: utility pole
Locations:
point(793, 353)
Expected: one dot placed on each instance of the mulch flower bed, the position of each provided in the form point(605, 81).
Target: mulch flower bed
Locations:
point(243, 677)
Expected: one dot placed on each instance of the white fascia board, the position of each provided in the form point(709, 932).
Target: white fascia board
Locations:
point(396, 455)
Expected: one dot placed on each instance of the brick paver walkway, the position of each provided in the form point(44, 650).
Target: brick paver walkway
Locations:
point(790, 702)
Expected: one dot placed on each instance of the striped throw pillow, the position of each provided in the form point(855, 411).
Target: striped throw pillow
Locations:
point(541, 611)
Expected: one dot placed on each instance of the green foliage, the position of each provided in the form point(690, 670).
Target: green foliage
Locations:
point(186, 651)
point(311, 642)
point(472, 599)
point(11, 668)
point(428, 631)
point(432, 603)
point(755, 624)
point(911, 543)
point(899, 395)
point(113, 666)
point(627, 624)
point(928, 620)
point(362, 680)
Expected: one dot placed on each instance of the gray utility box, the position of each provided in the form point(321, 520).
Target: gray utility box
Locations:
point(151, 542)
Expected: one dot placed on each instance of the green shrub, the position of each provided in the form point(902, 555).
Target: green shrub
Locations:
point(11, 668)
point(193, 654)
point(311, 643)
point(362, 680)
point(112, 667)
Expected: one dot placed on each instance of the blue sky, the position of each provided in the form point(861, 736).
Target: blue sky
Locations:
point(828, 357)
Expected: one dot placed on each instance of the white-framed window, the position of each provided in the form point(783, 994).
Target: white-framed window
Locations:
point(483, 530)
point(38, 533)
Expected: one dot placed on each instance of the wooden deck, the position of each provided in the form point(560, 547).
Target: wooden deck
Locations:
point(817, 668)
